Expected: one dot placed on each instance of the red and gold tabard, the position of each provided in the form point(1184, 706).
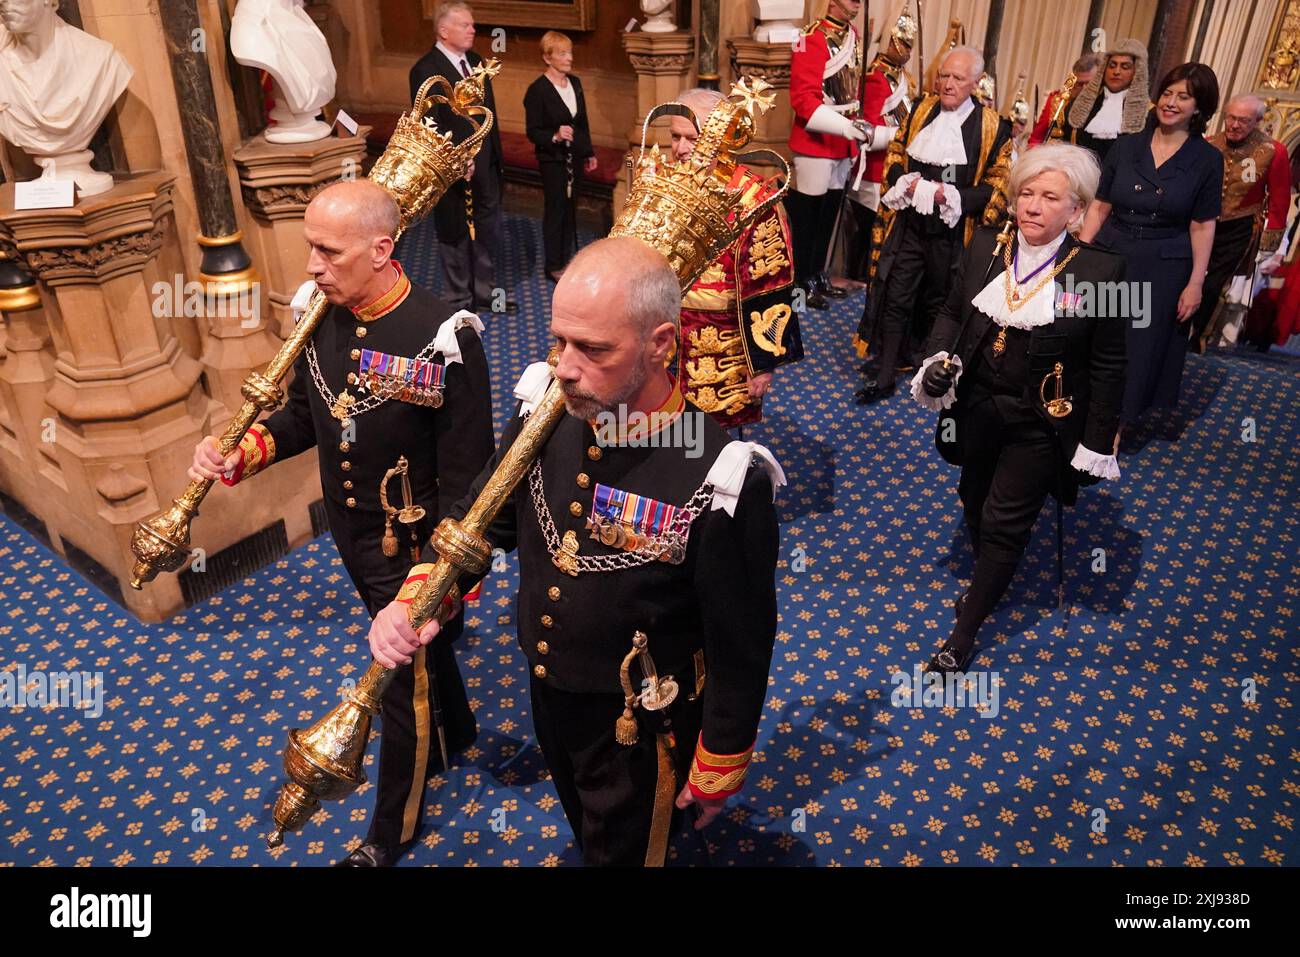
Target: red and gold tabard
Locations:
point(1256, 182)
point(738, 319)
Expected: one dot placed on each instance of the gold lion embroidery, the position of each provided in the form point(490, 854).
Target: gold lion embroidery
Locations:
point(767, 250)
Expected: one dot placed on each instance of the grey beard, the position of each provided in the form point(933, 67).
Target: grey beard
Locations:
point(584, 405)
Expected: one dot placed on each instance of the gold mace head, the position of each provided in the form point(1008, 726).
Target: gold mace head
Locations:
point(421, 162)
point(324, 763)
point(161, 544)
point(693, 209)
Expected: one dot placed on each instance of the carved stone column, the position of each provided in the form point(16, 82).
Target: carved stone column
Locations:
point(278, 180)
point(126, 399)
point(664, 63)
point(27, 456)
point(771, 62)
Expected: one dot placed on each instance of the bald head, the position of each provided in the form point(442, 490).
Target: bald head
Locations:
point(349, 227)
point(626, 278)
point(614, 319)
point(366, 208)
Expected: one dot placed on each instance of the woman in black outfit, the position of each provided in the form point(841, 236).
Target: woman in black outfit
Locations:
point(556, 113)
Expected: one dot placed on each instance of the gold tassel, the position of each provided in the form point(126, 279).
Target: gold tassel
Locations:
point(625, 728)
point(389, 544)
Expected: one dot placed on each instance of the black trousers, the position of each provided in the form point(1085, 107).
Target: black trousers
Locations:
point(468, 266)
point(921, 273)
point(408, 743)
point(608, 789)
point(812, 222)
point(558, 217)
point(1231, 240)
point(1011, 460)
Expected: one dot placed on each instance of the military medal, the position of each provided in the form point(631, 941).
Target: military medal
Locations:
point(634, 523)
point(417, 381)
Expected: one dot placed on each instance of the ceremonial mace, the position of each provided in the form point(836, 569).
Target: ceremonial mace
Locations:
point(685, 211)
point(419, 165)
point(324, 762)
point(1054, 128)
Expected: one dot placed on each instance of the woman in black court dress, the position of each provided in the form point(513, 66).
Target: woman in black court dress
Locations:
point(556, 115)
point(1159, 196)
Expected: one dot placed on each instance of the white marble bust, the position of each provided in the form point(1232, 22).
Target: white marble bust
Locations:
point(57, 83)
point(779, 20)
point(279, 37)
point(659, 16)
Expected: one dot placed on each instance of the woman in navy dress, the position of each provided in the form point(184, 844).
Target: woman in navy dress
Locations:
point(1159, 196)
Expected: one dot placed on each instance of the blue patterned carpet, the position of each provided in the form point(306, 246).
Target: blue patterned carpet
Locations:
point(1127, 730)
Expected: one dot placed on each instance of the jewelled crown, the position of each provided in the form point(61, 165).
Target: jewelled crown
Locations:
point(690, 210)
point(420, 162)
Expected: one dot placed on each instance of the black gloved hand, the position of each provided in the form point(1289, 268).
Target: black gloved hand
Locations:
point(938, 379)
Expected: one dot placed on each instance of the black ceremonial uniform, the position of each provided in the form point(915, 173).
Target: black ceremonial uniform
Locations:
point(918, 254)
point(719, 602)
point(445, 448)
point(1012, 452)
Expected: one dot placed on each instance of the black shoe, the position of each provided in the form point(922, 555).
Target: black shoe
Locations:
point(827, 288)
point(815, 300)
point(949, 661)
point(874, 393)
point(375, 855)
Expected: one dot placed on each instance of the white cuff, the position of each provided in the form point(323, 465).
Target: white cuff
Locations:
point(826, 120)
point(897, 198)
point(950, 208)
point(947, 399)
point(447, 343)
point(1102, 466)
point(880, 137)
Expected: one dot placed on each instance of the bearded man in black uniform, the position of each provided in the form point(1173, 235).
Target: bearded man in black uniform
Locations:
point(393, 393)
point(945, 171)
point(1030, 396)
point(647, 547)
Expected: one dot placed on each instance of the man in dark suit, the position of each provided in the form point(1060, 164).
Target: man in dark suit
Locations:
point(467, 245)
point(945, 171)
point(1027, 367)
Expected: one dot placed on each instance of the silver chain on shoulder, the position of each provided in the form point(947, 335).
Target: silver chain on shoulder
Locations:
point(673, 539)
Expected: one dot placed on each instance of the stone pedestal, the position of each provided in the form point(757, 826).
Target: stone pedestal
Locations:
point(664, 64)
point(277, 181)
point(125, 403)
point(771, 62)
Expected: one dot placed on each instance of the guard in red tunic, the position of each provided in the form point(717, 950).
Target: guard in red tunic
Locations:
point(1256, 198)
point(888, 92)
point(825, 93)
